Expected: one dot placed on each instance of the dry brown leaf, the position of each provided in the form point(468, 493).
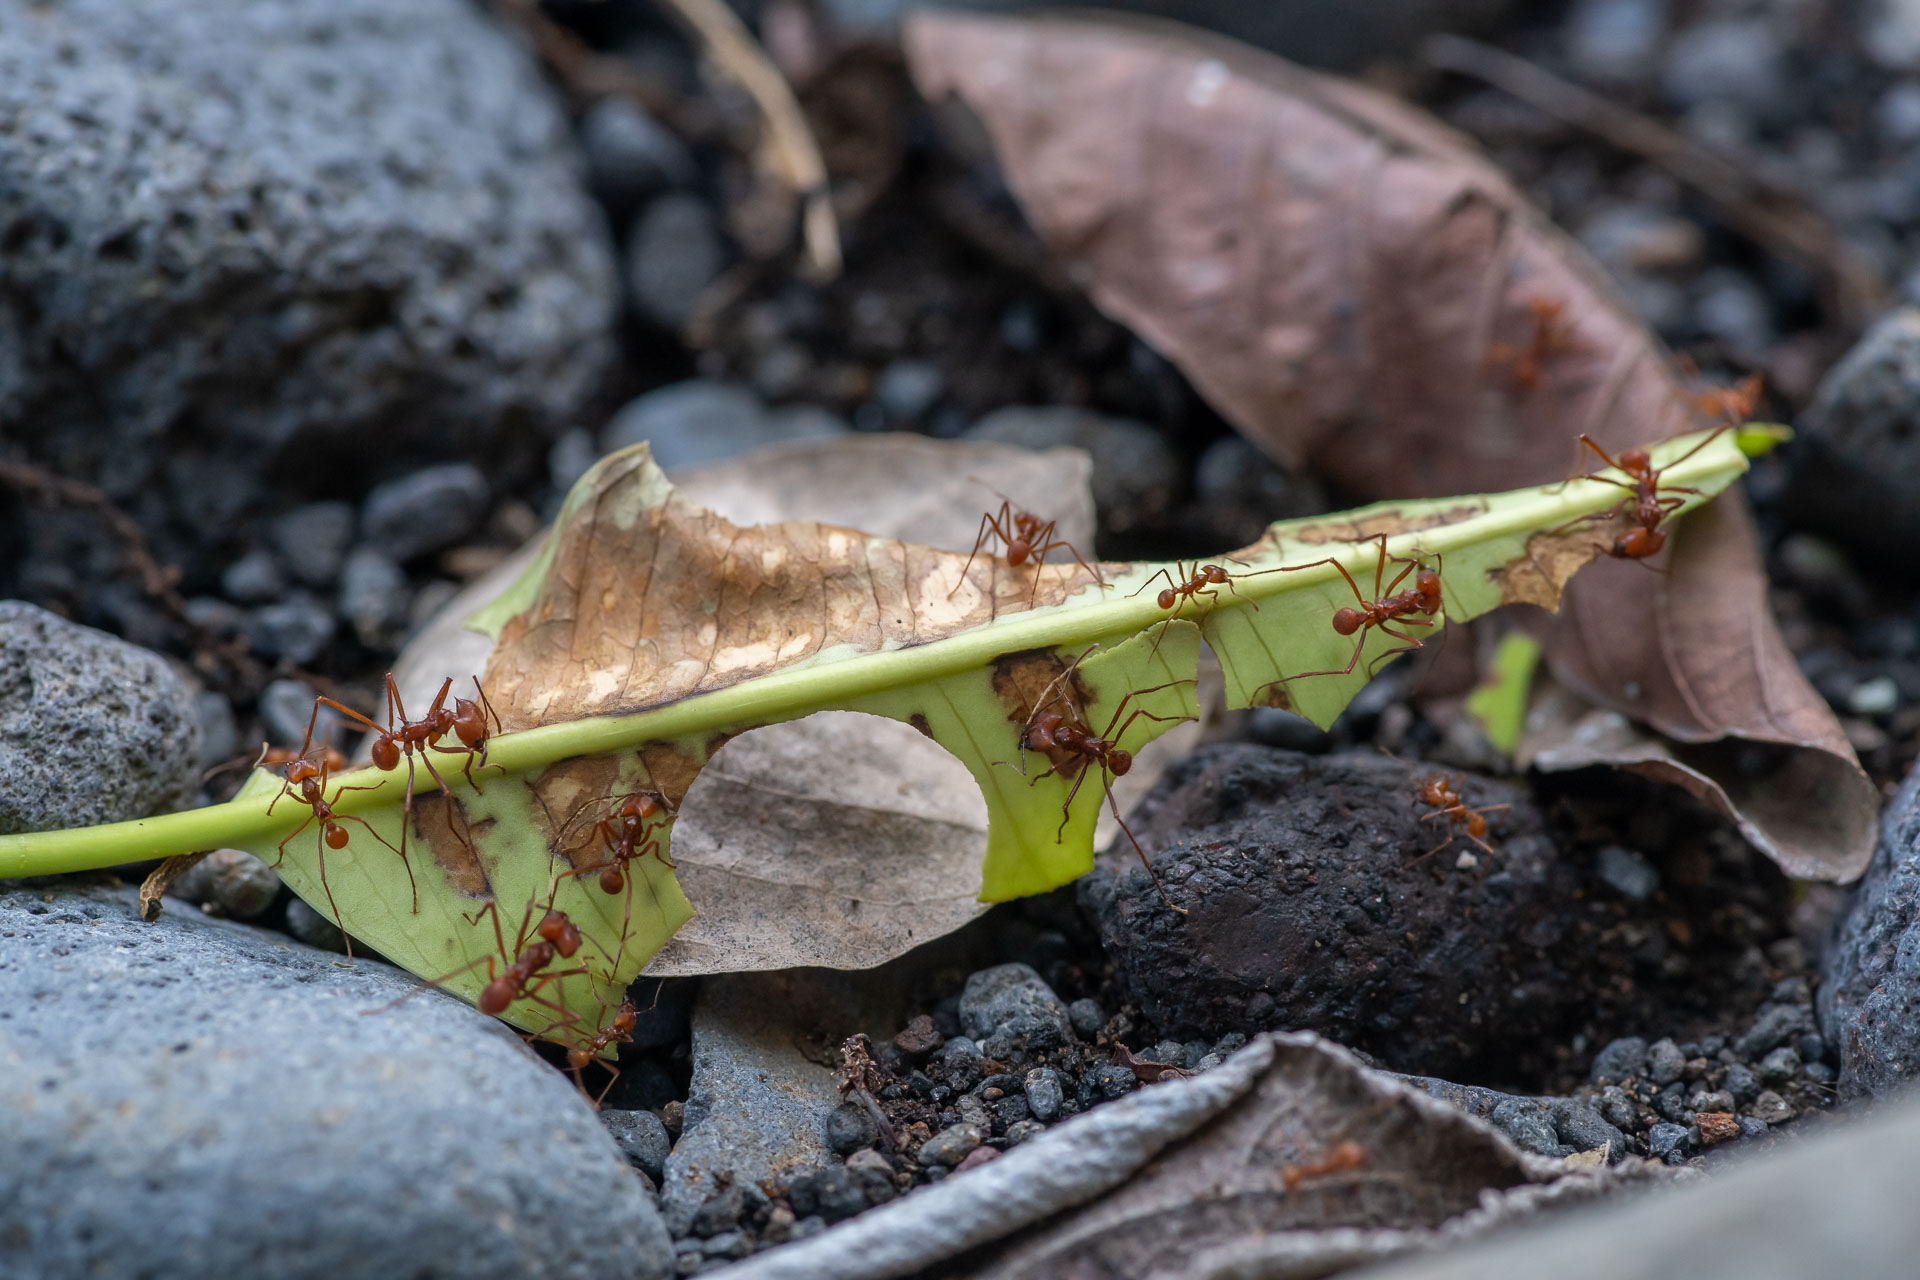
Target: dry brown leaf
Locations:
point(839, 840)
point(1362, 293)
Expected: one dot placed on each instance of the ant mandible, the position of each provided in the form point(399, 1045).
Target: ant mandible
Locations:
point(306, 783)
point(1652, 502)
point(470, 725)
point(1551, 335)
point(1450, 806)
point(1025, 538)
point(1068, 731)
point(1387, 606)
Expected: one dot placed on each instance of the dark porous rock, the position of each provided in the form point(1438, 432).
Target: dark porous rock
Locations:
point(1855, 470)
point(1528, 1124)
point(1869, 1002)
point(1136, 473)
point(1620, 1060)
point(1310, 905)
point(1045, 1093)
point(1776, 1025)
point(1087, 1017)
point(257, 252)
point(424, 511)
point(848, 1128)
point(190, 1097)
point(1011, 1000)
point(642, 1139)
point(92, 729)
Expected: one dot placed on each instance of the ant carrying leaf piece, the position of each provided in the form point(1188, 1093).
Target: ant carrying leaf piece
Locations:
point(648, 633)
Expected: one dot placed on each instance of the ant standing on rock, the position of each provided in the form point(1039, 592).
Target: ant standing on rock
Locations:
point(1450, 806)
point(1025, 538)
point(1067, 731)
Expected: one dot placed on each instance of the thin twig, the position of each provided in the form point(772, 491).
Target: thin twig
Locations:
point(790, 147)
point(1778, 219)
point(161, 878)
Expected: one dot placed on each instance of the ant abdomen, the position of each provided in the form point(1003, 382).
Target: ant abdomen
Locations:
point(386, 754)
point(1118, 761)
point(1166, 598)
point(1347, 621)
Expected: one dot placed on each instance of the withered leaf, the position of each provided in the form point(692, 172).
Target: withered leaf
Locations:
point(1362, 293)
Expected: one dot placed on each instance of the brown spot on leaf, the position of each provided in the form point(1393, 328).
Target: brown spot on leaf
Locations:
point(440, 824)
point(1030, 681)
point(1550, 558)
point(920, 723)
point(1389, 522)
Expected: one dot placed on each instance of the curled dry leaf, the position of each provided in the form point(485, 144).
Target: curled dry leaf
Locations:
point(1361, 292)
point(1291, 1159)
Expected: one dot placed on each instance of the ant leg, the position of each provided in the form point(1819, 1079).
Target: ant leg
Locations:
point(320, 844)
point(1347, 670)
point(289, 840)
point(1066, 806)
point(1114, 808)
point(347, 817)
point(987, 526)
point(1315, 564)
point(1109, 733)
point(1713, 435)
point(1412, 643)
point(432, 984)
point(1161, 573)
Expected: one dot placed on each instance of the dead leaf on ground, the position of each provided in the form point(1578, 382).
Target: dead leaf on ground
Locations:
point(1291, 1159)
point(840, 840)
point(1363, 293)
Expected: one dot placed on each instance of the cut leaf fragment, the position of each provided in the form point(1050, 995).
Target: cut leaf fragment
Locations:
point(1363, 293)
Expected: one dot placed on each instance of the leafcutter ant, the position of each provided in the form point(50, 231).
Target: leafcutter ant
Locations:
point(1550, 335)
point(1025, 537)
point(1199, 580)
point(1450, 806)
point(1066, 730)
point(581, 1054)
point(1651, 502)
point(623, 836)
point(1388, 608)
point(306, 783)
point(1343, 1157)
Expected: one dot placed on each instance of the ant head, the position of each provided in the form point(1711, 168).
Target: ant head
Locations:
point(627, 1018)
point(1118, 762)
point(646, 803)
point(1347, 621)
point(1213, 573)
point(1427, 583)
point(611, 880)
point(1166, 598)
point(1040, 733)
point(336, 835)
point(1635, 460)
point(469, 722)
point(496, 996)
point(385, 753)
point(299, 771)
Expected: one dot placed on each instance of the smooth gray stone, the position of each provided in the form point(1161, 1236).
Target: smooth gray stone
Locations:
point(261, 249)
point(195, 1098)
point(92, 729)
point(1013, 1001)
point(701, 420)
point(1840, 1204)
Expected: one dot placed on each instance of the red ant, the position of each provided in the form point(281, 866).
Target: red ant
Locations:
point(406, 737)
point(1201, 580)
point(528, 972)
point(306, 782)
point(270, 756)
point(581, 1055)
point(1442, 793)
point(1025, 538)
point(1387, 606)
point(1068, 731)
point(1643, 536)
point(622, 833)
point(1345, 1157)
point(1551, 335)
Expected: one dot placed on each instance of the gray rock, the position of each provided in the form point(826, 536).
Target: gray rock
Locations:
point(297, 629)
point(1086, 1017)
point(1737, 61)
point(249, 249)
point(1665, 1062)
point(1770, 1108)
point(1136, 474)
point(1730, 306)
point(630, 155)
point(951, 1145)
point(848, 1128)
point(1617, 1109)
point(314, 929)
point(1619, 1060)
point(1581, 1127)
point(1011, 1000)
point(427, 510)
point(286, 707)
point(642, 1138)
point(674, 251)
point(92, 729)
point(219, 733)
point(1023, 1130)
point(755, 1102)
point(1044, 1092)
point(1615, 40)
point(373, 596)
point(253, 579)
point(1869, 993)
point(1666, 1140)
point(261, 1115)
point(961, 1063)
point(906, 389)
point(312, 541)
point(1529, 1124)
point(1777, 1024)
point(1742, 1087)
point(699, 421)
point(1628, 872)
point(228, 882)
point(1854, 475)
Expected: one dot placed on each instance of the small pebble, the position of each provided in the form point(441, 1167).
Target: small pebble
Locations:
point(1752, 1128)
point(952, 1145)
point(849, 1128)
point(1717, 1127)
point(1619, 1060)
point(219, 733)
point(1666, 1141)
point(1528, 1125)
point(1087, 1018)
point(1812, 1047)
point(1018, 1133)
point(296, 629)
point(1617, 1109)
point(1208, 1062)
point(286, 707)
point(1045, 1093)
point(1879, 696)
point(674, 251)
point(779, 1226)
point(230, 883)
point(975, 1158)
point(838, 1194)
point(373, 596)
point(312, 541)
point(630, 155)
point(1715, 1100)
point(1665, 1062)
point(960, 1063)
point(1771, 1108)
point(1781, 1065)
point(425, 511)
point(907, 389)
point(1778, 1024)
point(805, 1227)
point(919, 1038)
point(1111, 1080)
point(1627, 872)
point(254, 578)
point(1741, 1084)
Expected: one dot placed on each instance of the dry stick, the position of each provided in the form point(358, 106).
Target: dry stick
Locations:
point(161, 878)
point(790, 146)
point(1765, 213)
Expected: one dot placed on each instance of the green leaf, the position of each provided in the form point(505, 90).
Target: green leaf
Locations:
point(1499, 703)
point(647, 633)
